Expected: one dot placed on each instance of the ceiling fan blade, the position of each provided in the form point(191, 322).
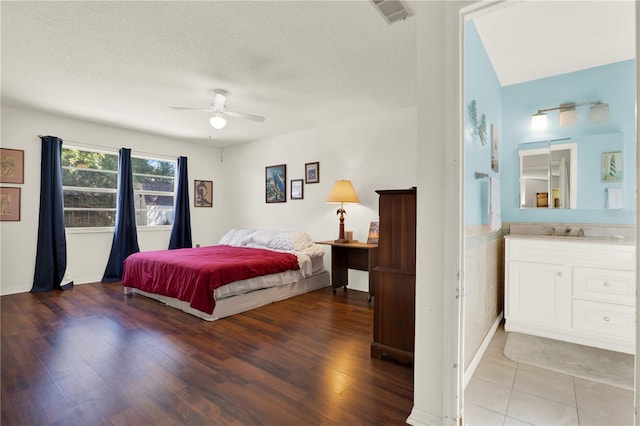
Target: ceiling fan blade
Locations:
point(244, 115)
point(205, 109)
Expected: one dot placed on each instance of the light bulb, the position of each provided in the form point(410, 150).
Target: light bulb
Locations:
point(217, 122)
point(539, 121)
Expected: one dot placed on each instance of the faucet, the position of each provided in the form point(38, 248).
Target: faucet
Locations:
point(574, 232)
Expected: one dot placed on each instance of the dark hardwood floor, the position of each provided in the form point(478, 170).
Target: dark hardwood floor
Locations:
point(92, 356)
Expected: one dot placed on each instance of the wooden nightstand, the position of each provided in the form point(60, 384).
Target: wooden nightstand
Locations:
point(345, 256)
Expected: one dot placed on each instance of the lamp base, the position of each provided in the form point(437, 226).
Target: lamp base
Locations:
point(341, 241)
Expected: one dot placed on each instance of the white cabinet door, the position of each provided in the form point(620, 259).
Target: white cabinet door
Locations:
point(539, 293)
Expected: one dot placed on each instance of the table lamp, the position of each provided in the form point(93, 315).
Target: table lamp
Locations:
point(342, 192)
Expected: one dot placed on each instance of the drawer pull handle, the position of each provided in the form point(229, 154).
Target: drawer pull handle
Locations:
point(606, 319)
point(559, 274)
point(606, 284)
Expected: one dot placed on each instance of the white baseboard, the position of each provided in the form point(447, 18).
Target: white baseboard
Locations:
point(15, 289)
point(420, 418)
point(468, 374)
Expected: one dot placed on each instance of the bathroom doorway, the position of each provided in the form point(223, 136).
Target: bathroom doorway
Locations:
point(487, 154)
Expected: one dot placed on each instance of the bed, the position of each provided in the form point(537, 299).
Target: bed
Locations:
point(249, 268)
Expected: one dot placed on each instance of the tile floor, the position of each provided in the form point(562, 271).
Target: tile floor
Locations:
point(503, 392)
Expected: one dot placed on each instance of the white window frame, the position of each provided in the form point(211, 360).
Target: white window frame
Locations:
point(137, 193)
point(109, 229)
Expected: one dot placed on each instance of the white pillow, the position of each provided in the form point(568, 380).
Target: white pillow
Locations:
point(291, 241)
point(236, 237)
point(261, 238)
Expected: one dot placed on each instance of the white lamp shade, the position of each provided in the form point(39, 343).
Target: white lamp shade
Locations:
point(568, 117)
point(343, 192)
point(599, 113)
point(539, 121)
point(217, 122)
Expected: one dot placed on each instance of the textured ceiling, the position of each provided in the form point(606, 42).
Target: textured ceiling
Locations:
point(535, 39)
point(299, 64)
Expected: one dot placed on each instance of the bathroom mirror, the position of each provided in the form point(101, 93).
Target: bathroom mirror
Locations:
point(549, 175)
point(576, 164)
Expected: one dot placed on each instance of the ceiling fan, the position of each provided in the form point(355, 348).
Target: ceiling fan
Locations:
point(219, 110)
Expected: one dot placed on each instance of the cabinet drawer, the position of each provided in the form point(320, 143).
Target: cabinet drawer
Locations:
point(609, 285)
point(604, 318)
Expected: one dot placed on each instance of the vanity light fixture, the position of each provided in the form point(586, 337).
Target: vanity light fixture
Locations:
point(598, 113)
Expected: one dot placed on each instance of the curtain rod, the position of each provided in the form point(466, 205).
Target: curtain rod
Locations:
point(110, 148)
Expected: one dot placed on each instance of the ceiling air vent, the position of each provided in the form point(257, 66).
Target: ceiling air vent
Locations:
point(392, 10)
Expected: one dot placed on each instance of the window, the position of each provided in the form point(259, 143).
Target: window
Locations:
point(154, 191)
point(89, 184)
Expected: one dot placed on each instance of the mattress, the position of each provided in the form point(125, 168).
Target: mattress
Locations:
point(239, 303)
point(244, 294)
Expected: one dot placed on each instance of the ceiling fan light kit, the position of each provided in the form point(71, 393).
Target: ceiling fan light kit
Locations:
point(220, 111)
point(217, 122)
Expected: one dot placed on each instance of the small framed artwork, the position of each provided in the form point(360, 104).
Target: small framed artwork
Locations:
point(374, 233)
point(611, 169)
point(11, 165)
point(275, 184)
point(312, 172)
point(203, 190)
point(297, 189)
point(9, 204)
point(494, 148)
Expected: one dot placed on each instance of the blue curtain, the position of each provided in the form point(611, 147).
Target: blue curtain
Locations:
point(51, 253)
point(125, 236)
point(181, 230)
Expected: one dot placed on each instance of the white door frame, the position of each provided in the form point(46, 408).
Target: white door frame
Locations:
point(636, 420)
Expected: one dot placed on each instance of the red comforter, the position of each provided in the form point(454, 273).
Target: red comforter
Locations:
point(192, 274)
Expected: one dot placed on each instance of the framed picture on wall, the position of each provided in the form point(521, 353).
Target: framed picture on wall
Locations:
point(611, 169)
point(9, 204)
point(297, 189)
point(11, 165)
point(203, 190)
point(275, 184)
point(374, 233)
point(312, 172)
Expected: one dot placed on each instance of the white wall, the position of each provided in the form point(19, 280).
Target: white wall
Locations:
point(372, 152)
point(88, 252)
point(376, 152)
point(439, 226)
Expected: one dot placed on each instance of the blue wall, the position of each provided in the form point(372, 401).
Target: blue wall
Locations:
point(481, 85)
point(613, 84)
point(510, 109)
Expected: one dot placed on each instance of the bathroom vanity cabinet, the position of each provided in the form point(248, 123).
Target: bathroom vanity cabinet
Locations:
point(574, 289)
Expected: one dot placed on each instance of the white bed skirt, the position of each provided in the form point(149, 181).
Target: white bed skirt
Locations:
point(244, 302)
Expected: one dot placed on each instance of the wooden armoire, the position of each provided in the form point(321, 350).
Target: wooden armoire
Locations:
point(395, 276)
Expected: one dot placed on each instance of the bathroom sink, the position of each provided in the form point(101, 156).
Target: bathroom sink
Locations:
point(603, 238)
